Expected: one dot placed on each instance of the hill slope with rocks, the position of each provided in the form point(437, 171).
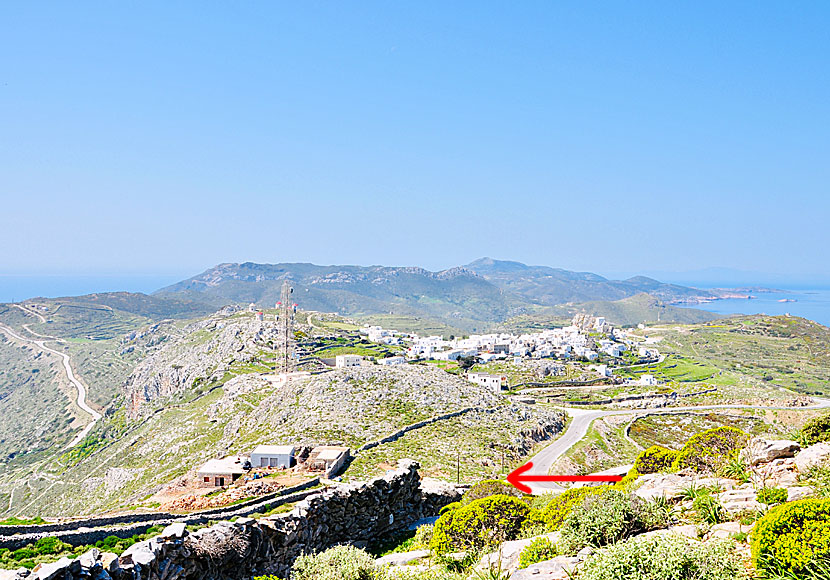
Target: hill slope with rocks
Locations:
point(484, 291)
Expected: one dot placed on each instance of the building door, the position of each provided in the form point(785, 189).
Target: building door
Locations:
point(220, 481)
point(274, 462)
point(263, 462)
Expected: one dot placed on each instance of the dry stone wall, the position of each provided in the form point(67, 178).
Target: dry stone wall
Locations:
point(346, 514)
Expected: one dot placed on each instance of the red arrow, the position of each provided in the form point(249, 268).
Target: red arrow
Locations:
point(517, 477)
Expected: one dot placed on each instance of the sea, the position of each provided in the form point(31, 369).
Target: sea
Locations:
point(813, 304)
point(16, 288)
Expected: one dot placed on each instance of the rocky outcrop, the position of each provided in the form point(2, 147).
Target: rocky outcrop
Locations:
point(760, 450)
point(347, 514)
point(812, 456)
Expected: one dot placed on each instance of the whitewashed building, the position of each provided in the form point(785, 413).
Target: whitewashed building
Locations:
point(347, 360)
point(493, 382)
point(281, 456)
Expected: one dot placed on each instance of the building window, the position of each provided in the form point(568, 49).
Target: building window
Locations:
point(207, 480)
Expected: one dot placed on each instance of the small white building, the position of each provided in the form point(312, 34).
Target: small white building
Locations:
point(347, 360)
point(281, 456)
point(647, 381)
point(259, 316)
point(392, 361)
point(493, 382)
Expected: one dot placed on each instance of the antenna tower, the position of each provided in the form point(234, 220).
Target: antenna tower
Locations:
point(285, 357)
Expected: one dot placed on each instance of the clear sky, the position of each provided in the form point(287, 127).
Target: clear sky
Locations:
point(165, 137)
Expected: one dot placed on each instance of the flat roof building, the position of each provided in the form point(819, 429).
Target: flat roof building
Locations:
point(221, 472)
point(280, 456)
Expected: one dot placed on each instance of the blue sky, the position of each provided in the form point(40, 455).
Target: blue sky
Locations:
point(162, 138)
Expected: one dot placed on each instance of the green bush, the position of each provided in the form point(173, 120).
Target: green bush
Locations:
point(792, 536)
point(51, 545)
point(816, 430)
point(609, 518)
point(708, 509)
point(655, 459)
point(735, 468)
point(561, 505)
point(480, 523)
point(538, 550)
point(450, 507)
point(490, 487)
point(706, 452)
point(338, 563)
point(667, 557)
point(772, 495)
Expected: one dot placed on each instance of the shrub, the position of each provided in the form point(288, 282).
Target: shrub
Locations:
point(708, 451)
point(708, 509)
point(490, 487)
point(558, 508)
point(772, 495)
point(51, 545)
point(816, 430)
point(655, 459)
point(735, 468)
point(630, 477)
point(664, 558)
point(538, 550)
point(450, 507)
point(480, 523)
point(791, 536)
point(609, 518)
point(338, 563)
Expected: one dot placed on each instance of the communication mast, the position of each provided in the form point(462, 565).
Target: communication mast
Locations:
point(285, 357)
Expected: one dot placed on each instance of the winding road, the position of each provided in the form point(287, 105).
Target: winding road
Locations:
point(581, 420)
point(67, 367)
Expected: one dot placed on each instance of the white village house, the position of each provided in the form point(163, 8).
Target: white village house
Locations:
point(493, 382)
point(347, 360)
point(281, 456)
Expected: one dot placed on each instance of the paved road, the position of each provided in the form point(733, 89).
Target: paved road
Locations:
point(581, 420)
point(67, 367)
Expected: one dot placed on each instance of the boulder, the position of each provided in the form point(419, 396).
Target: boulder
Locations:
point(508, 555)
point(667, 486)
point(140, 553)
point(90, 558)
point(725, 530)
point(402, 559)
point(173, 531)
point(760, 450)
point(57, 570)
point(688, 531)
point(811, 456)
point(110, 562)
point(795, 493)
point(559, 568)
point(737, 500)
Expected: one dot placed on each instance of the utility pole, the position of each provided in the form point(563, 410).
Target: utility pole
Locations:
point(458, 467)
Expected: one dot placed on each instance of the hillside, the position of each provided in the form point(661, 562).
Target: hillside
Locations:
point(124, 462)
point(552, 286)
point(483, 292)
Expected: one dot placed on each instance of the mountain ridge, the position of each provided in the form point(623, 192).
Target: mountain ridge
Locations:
point(485, 290)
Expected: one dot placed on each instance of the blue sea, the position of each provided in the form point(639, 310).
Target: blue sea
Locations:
point(813, 304)
point(19, 288)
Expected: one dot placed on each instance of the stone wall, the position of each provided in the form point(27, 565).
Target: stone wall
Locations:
point(346, 514)
point(12, 536)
